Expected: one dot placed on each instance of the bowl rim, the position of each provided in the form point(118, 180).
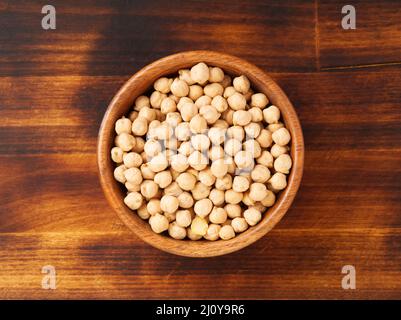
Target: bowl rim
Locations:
point(140, 82)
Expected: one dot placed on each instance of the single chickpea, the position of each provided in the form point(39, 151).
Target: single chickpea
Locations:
point(183, 218)
point(173, 119)
point(237, 101)
point(188, 111)
point(218, 215)
point(133, 175)
point(185, 200)
point(125, 141)
point(224, 183)
point(119, 173)
point(226, 81)
point(213, 89)
point(163, 179)
point(241, 118)
point(201, 191)
point(236, 132)
point(239, 225)
point(132, 187)
point(152, 148)
point(168, 105)
point(216, 152)
point(199, 226)
point(252, 130)
point(209, 113)
point(217, 135)
point(177, 232)
point(229, 91)
point(217, 197)
point(164, 131)
point(182, 131)
point(219, 103)
point(227, 116)
point(265, 138)
point(200, 73)
point(140, 102)
point(179, 162)
point(186, 181)
point(283, 163)
point(246, 199)
point(133, 200)
point(221, 124)
point(216, 74)
point(117, 154)
point(232, 147)
point(169, 203)
point(265, 159)
point(233, 197)
point(149, 189)
point(281, 136)
point(173, 189)
point(143, 212)
point(275, 126)
point(132, 159)
point(206, 177)
point(252, 216)
point(186, 148)
point(212, 233)
point(146, 172)
point(163, 85)
point(203, 207)
point(259, 100)
point(197, 160)
point(253, 147)
point(159, 223)
point(153, 207)
point(139, 145)
point(147, 113)
point(185, 74)
point(260, 174)
point(139, 126)
point(241, 84)
point(277, 150)
point(244, 160)
point(182, 101)
point(156, 99)
point(123, 125)
point(269, 200)
point(233, 210)
point(198, 124)
point(193, 236)
point(200, 142)
point(179, 88)
point(278, 181)
point(195, 91)
point(203, 101)
point(158, 163)
point(256, 114)
point(257, 191)
point(271, 114)
point(240, 184)
point(219, 168)
point(226, 232)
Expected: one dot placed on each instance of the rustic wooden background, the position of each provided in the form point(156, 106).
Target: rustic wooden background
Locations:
point(56, 85)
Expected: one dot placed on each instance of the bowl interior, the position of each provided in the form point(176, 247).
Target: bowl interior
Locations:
point(141, 82)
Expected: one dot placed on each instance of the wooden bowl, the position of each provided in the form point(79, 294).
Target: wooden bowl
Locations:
point(140, 83)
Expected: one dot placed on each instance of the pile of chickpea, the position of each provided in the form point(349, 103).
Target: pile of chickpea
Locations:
point(203, 156)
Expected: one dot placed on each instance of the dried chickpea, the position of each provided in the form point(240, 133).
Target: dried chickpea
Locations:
point(186, 181)
point(229, 91)
point(133, 115)
point(125, 141)
point(176, 231)
point(183, 218)
point(139, 145)
point(119, 173)
point(132, 187)
point(252, 216)
point(117, 154)
point(257, 191)
point(244, 160)
point(239, 224)
point(146, 171)
point(275, 126)
point(185, 200)
point(277, 150)
point(163, 179)
point(133, 175)
point(233, 210)
point(123, 125)
point(210, 114)
point(140, 102)
point(227, 116)
point(200, 142)
point(237, 101)
point(217, 135)
point(236, 132)
point(158, 163)
point(265, 138)
point(193, 236)
point(240, 184)
point(206, 177)
point(197, 160)
point(241, 118)
point(281, 136)
point(199, 226)
point(253, 147)
point(182, 101)
point(158, 223)
point(143, 212)
point(219, 103)
point(139, 126)
point(213, 89)
point(149, 189)
point(252, 130)
point(173, 189)
point(232, 147)
point(269, 200)
point(152, 148)
point(256, 114)
point(198, 124)
point(271, 114)
point(170, 216)
point(147, 113)
point(259, 100)
point(200, 191)
point(179, 88)
point(219, 168)
point(216, 74)
point(218, 215)
point(246, 199)
point(260, 174)
point(203, 101)
point(188, 111)
point(265, 159)
point(133, 200)
point(283, 163)
point(132, 159)
point(227, 232)
point(224, 183)
point(168, 105)
point(215, 153)
point(241, 84)
point(203, 207)
point(186, 148)
point(156, 99)
point(182, 131)
point(169, 203)
point(217, 197)
point(200, 73)
point(163, 85)
point(278, 181)
point(233, 197)
point(185, 74)
point(195, 91)
point(212, 233)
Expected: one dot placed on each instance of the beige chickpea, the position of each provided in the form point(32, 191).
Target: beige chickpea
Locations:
point(246, 199)
point(200, 191)
point(232, 147)
point(200, 142)
point(203, 101)
point(147, 113)
point(229, 91)
point(133, 175)
point(283, 163)
point(224, 183)
point(163, 85)
point(233, 210)
point(252, 216)
point(278, 181)
point(152, 129)
point(170, 216)
point(177, 232)
point(252, 130)
point(156, 99)
point(210, 114)
point(132, 187)
point(241, 118)
point(226, 81)
point(199, 226)
point(133, 115)
point(218, 215)
point(213, 89)
point(146, 171)
point(221, 124)
point(269, 200)
point(159, 223)
point(240, 184)
point(169, 203)
point(185, 200)
point(153, 207)
point(140, 102)
point(193, 236)
point(132, 159)
point(277, 150)
point(227, 116)
point(173, 189)
point(123, 125)
point(198, 124)
point(256, 114)
point(265, 138)
point(195, 91)
point(133, 200)
point(216, 74)
point(186, 148)
point(117, 154)
point(259, 100)
point(271, 114)
point(163, 179)
point(168, 105)
point(215, 153)
point(217, 135)
point(188, 111)
point(239, 224)
point(241, 84)
point(217, 197)
point(212, 233)
point(265, 159)
point(139, 145)
point(244, 160)
point(182, 101)
point(164, 131)
point(257, 191)
point(236, 132)
point(149, 189)
point(237, 101)
point(183, 218)
point(219, 103)
point(119, 173)
point(152, 148)
point(203, 207)
point(179, 162)
point(233, 197)
point(226, 232)
point(143, 212)
point(219, 168)
point(281, 136)
point(200, 73)
point(185, 74)
point(197, 160)
point(182, 131)
point(260, 174)
point(275, 126)
point(139, 126)
point(253, 147)
point(179, 88)
point(186, 181)
point(158, 163)
point(206, 177)
point(125, 141)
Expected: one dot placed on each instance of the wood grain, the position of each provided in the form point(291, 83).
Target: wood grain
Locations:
point(56, 86)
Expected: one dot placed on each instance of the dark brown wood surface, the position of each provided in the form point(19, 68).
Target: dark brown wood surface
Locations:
point(55, 86)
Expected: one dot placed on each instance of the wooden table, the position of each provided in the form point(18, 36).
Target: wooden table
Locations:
point(55, 86)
